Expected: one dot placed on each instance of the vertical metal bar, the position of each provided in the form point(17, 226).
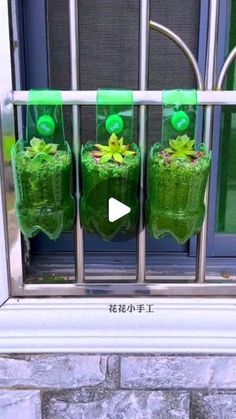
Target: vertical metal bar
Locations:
point(16, 60)
point(4, 254)
point(209, 85)
point(74, 63)
point(8, 137)
point(143, 81)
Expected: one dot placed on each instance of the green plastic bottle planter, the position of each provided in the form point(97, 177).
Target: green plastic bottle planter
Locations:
point(110, 169)
point(104, 181)
point(176, 194)
point(177, 178)
point(42, 167)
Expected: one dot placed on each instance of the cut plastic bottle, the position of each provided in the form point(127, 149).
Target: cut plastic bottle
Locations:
point(177, 172)
point(42, 167)
point(175, 204)
point(110, 167)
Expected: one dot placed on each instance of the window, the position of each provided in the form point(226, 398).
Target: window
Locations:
point(226, 221)
point(179, 325)
point(45, 267)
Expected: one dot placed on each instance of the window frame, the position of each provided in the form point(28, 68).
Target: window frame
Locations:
point(178, 325)
point(219, 244)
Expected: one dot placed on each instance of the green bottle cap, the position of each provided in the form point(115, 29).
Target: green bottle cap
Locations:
point(46, 125)
point(180, 121)
point(114, 123)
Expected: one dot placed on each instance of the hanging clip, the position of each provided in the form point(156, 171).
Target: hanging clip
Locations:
point(114, 114)
point(179, 113)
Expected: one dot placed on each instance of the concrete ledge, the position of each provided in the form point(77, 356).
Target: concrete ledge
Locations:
point(86, 325)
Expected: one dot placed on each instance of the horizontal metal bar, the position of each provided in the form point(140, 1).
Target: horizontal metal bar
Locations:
point(129, 290)
point(141, 97)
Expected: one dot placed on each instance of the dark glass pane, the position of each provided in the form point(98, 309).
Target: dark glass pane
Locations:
point(226, 200)
point(109, 54)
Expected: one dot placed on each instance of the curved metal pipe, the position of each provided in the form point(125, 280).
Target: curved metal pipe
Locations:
point(225, 68)
point(181, 44)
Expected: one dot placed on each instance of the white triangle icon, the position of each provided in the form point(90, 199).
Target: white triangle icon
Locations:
point(116, 210)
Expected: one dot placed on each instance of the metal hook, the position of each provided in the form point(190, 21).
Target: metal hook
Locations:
point(181, 44)
point(225, 68)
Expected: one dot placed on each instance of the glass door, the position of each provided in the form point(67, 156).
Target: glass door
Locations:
point(224, 242)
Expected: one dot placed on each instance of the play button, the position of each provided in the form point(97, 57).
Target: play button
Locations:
point(110, 210)
point(117, 210)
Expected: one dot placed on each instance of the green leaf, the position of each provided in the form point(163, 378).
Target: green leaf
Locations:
point(38, 146)
point(169, 150)
point(181, 147)
point(99, 153)
point(102, 147)
point(106, 158)
point(41, 146)
point(113, 138)
point(115, 149)
point(114, 143)
point(51, 148)
point(118, 157)
point(191, 143)
point(124, 148)
point(184, 137)
point(35, 142)
point(174, 144)
point(30, 153)
point(120, 142)
point(129, 153)
point(189, 152)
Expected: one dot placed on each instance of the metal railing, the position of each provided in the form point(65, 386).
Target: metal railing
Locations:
point(207, 96)
point(74, 65)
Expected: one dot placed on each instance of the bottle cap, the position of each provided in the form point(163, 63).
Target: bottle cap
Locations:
point(114, 123)
point(180, 121)
point(46, 125)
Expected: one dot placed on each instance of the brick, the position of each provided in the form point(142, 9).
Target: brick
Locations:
point(55, 371)
point(121, 404)
point(20, 404)
point(214, 406)
point(178, 372)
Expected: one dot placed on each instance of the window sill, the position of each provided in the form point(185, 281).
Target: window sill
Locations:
point(178, 325)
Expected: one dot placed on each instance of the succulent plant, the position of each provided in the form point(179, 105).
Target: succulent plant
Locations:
point(182, 148)
point(38, 146)
point(115, 150)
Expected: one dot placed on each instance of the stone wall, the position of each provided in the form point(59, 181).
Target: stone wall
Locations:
point(117, 387)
